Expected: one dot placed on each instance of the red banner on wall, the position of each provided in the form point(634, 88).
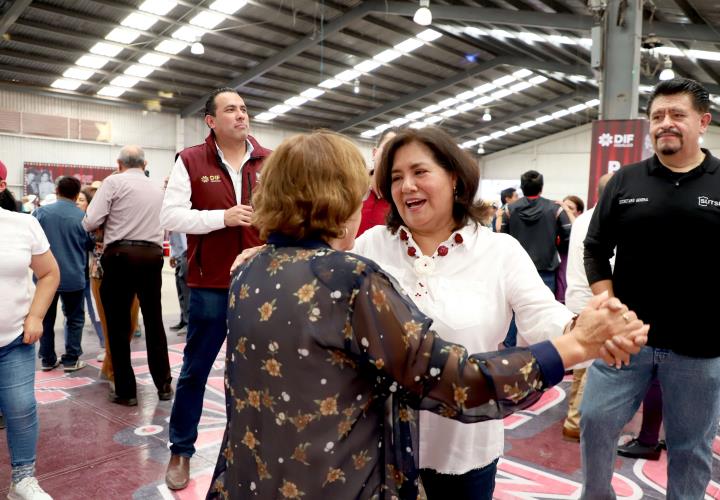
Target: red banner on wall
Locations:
point(39, 178)
point(616, 143)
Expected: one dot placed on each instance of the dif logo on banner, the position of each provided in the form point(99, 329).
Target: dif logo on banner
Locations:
point(616, 143)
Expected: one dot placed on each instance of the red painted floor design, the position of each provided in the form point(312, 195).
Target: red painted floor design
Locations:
point(91, 448)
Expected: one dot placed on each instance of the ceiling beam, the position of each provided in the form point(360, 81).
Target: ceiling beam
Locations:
point(289, 52)
point(514, 116)
point(683, 32)
point(12, 14)
point(459, 77)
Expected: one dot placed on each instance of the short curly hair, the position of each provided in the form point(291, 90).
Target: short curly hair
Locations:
point(450, 157)
point(310, 186)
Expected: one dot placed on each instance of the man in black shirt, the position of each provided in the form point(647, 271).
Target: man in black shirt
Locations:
point(661, 216)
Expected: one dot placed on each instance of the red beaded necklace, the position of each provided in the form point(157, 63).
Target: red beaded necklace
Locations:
point(442, 250)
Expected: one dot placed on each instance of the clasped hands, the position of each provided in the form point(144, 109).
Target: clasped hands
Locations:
point(607, 329)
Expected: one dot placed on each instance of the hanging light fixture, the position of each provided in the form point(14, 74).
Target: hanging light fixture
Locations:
point(481, 149)
point(197, 48)
point(356, 86)
point(667, 73)
point(423, 16)
point(486, 117)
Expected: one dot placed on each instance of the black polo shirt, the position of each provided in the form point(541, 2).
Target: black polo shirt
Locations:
point(665, 230)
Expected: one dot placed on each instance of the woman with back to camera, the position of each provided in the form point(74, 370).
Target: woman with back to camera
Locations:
point(320, 340)
point(467, 278)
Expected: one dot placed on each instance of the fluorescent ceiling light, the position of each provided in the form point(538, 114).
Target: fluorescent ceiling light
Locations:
point(227, 6)
point(139, 21)
point(468, 94)
point(170, 46)
point(296, 101)
point(417, 125)
point(537, 80)
point(383, 127)
point(207, 19)
point(585, 42)
point(520, 86)
point(94, 62)
point(522, 73)
point(577, 107)
point(646, 88)
point(513, 129)
point(561, 39)
point(468, 144)
point(347, 75)
point(501, 93)
point(188, 33)
point(578, 78)
point(473, 31)
point(504, 80)
point(124, 81)
point(483, 139)
point(140, 70)
point(399, 121)
point(106, 49)
point(265, 117)
point(154, 59)
point(498, 134)
point(367, 66)
point(409, 45)
point(592, 103)
point(433, 119)
point(312, 93)
point(704, 54)
point(433, 108)
point(66, 84)
point(483, 100)
point(668, 51)
point(544, 118)
point(159, 7)
point(446, 103)
point(450, 112)
point(484, 88)
point(122, 35)
point(78, 73)
point(466, 107)
point(415, 115)
point(429, 35)
point(530, 38)
point(501, 34)
point(330, 83)
point(280, 109)
point(111, 91)
point(561, 113)
point(369, 133)
point(387, 55)
point(528, 124)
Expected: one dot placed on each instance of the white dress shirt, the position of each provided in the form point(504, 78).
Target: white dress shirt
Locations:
point(578, 291)
point(470, 293)
point(177, 214)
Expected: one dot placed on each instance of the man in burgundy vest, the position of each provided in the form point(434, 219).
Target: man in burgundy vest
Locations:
point(209, 197)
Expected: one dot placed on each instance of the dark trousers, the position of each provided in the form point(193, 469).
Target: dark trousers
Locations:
point(207, 330)
point(72, 306)
point(183, 291)
point(477, 484)
point(130, 271)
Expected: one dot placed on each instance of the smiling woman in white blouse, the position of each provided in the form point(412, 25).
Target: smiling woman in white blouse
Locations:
point(464, 276)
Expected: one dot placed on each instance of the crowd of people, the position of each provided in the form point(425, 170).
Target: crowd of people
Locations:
point(373, 321)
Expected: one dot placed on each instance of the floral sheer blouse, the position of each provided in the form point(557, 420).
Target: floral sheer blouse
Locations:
point(327, 363)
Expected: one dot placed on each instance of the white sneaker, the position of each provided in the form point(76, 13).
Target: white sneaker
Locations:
point(27, 489)
point(101, 356)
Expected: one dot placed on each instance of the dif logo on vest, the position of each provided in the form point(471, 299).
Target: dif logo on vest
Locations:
point(210, 178)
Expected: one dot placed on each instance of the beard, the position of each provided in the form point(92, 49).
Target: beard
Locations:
point(672, 148)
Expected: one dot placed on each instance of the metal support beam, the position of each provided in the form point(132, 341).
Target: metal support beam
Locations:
point(12, 14)
point(621, 60)
point(289, 52)
point(527, 111)
point(459, 77)
point(682, 32)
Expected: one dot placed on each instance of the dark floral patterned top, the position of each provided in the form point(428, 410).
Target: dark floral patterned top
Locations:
point(327, 363)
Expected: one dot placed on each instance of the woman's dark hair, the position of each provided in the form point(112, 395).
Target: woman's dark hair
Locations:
point(579, 204)
point(7, 201)
point(450, 157)
point(698, 94)
point(88, 192)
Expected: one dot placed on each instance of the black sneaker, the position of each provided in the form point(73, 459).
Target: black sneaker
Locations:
point(635, 449)
point(47, 368)
point(179, 326)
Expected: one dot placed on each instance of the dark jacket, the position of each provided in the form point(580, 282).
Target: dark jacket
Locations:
point(211, 255)
point(539, 225)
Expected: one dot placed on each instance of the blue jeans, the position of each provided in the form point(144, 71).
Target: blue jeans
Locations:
point(477, 484)
point(207, 330)
point(72, 307)
point(17, 400)
point(87, 293)
point(691, 408)
point(549, 279)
